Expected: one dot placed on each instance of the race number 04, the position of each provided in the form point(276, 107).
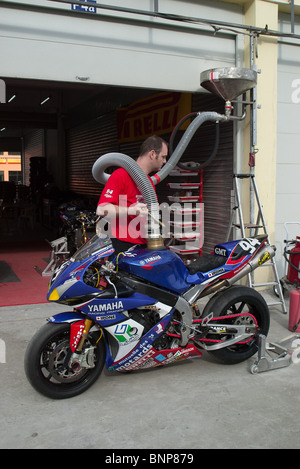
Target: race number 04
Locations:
point(249, 244)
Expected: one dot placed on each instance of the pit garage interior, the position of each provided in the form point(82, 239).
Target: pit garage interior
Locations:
point(61, 139)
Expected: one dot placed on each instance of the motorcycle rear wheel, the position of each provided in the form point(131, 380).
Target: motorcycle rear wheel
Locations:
point(236, 300)
point(46, 363)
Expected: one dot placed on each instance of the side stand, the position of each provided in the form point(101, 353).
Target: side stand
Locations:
point(273, 356)
point(59, 248)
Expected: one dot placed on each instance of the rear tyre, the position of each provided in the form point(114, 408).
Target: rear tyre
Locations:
point(47, 362)
point(237, 300)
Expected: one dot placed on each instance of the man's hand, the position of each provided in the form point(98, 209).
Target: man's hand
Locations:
point(138, 209)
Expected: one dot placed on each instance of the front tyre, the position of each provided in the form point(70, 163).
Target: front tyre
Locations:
point(239, 300)
point(47, 361)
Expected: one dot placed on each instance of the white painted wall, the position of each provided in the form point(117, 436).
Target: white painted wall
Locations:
point(60, 45)
point(288, 141)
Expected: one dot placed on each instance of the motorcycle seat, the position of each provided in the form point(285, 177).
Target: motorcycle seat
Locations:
point(206, 263)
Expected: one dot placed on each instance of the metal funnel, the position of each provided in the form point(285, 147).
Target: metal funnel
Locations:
point(229, 82)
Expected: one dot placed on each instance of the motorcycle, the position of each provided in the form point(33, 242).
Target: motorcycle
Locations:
point(76, 225)
point(144, 310)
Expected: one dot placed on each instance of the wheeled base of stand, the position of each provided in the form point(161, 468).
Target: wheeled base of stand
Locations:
point(272, 356)
point(59, 249)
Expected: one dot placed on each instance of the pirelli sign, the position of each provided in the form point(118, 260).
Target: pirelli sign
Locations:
point(157, 114)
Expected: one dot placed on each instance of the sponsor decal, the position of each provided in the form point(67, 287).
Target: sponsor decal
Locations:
point(221, 251)
point(108, 194)
point(110, 317)
point(160, 358)
point(216, 272)
point(125, 333)
point(157, 114)
point(264, 258)
point(104, 307)
point(149, 262)
point(158, 329)
point(140, 357)
point(76, 333)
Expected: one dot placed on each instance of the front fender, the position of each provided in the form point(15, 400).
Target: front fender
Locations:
point(68, 316)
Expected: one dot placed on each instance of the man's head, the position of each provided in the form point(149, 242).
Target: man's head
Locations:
point(153, 154)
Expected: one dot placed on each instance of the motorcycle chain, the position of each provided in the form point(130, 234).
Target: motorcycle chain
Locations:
point(220, 318)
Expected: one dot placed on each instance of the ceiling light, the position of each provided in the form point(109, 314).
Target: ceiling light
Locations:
point(2, 130)
point(45, 100)
point(11, 99)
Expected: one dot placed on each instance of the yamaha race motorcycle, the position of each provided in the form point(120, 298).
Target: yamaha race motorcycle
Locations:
point(145, 310)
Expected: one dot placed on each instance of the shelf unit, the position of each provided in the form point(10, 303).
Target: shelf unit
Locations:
point(186, 225)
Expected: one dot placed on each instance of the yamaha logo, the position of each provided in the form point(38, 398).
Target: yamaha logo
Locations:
point(104, 307)
point(150, 260)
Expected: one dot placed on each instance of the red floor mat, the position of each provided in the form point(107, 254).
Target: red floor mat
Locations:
point(31, 287)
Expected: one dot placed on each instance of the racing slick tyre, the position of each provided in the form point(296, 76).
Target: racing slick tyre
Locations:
point(47, 362)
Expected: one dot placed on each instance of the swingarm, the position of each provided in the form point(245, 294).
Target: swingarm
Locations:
point(214, 336)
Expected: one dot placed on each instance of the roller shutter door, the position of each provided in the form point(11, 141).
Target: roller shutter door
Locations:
point(84, 145)
point(217, 177)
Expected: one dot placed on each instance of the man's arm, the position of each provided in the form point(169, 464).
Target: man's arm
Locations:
point(111, 210)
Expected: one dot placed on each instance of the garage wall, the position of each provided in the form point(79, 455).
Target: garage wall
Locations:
point(288, 139)
point(49, 41)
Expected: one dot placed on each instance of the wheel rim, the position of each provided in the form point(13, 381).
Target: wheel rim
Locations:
point(54, 361)
point(249, 315)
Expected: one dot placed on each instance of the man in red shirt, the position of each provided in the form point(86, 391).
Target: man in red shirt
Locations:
point(121, 201)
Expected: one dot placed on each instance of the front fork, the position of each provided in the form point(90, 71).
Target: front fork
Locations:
point(87, 325)
point(79, 333)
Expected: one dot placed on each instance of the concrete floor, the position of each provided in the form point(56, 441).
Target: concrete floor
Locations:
point(195, 404)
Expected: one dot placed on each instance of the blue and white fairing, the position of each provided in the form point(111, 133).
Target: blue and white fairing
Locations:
point(67, 281)
point(111, 311)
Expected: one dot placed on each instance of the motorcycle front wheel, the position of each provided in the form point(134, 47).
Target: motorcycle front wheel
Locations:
point(238, 300)
point(47, 362)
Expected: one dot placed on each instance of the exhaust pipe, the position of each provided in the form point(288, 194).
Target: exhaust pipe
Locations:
point(260, 258)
